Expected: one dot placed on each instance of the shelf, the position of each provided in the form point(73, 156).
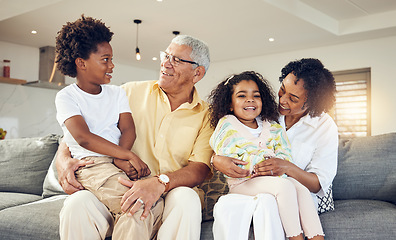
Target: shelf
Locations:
point(12, 80)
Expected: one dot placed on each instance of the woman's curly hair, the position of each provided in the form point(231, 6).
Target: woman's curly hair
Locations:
point(220, 98)
point(318, 81)
point(78, 40)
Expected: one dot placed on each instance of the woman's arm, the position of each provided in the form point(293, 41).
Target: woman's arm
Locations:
point(283, 163)
point(279, 167)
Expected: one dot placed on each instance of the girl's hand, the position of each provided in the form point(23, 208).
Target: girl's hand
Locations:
point(229, 166)
point(271, 167)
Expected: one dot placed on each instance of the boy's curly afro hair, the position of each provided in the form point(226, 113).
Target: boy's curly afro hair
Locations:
point(318, 81)
point(220, 98)
point(78, 40)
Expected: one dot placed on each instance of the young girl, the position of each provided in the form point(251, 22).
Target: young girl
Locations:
point(244, 112)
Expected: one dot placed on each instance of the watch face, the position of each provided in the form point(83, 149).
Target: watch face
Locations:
point(164, 178)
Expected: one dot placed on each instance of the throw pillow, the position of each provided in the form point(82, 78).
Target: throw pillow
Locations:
point(326, 203)
point(51, 186)
point(24, 163)
point(213, 189)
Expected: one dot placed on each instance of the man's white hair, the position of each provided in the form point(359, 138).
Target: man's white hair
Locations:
point(200, 50)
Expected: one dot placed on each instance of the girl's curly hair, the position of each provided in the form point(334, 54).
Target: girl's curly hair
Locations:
point(318, 81)
point(220, 98)
point(78, 40)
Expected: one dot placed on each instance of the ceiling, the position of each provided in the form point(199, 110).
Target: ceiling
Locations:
point(233, 29)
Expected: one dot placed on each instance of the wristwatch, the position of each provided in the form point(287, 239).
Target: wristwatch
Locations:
point(164, 179)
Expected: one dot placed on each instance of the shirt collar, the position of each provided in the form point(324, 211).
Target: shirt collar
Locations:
point(311, 121)
point(196, 102)
point(307, 119)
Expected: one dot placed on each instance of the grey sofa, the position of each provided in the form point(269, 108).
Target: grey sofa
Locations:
point(364, 190)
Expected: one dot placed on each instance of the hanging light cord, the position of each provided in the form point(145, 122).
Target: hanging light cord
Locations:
point(137, 34)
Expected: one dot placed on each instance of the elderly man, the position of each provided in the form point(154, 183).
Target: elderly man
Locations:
point(173, 132)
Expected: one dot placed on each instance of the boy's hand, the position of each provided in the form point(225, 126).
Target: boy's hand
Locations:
point(141, 167)
point(127, 167)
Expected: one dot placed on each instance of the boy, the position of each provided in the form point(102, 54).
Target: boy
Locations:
point(95, 118)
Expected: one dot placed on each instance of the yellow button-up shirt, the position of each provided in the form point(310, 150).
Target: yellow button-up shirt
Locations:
point(166, 140)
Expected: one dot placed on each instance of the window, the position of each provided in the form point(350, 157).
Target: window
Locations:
point(352, 109)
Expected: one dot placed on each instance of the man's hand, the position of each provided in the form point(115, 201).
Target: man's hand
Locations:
point(148, 190)
point(66, 167)
point(229, 166)
point(127, 167)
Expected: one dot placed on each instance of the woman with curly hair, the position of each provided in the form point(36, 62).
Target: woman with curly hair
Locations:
point(306, 94)
point(95, 118)
point(244, 110)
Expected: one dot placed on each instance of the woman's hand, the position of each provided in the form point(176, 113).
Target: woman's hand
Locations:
point(143, 192)
point(229, 166)
point(272, 167)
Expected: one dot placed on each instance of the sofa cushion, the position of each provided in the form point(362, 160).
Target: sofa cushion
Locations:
point(360, 219)
point(9, 199)
point(213, 189)
point(366, 168)
point(24, 163)
point(34, 221)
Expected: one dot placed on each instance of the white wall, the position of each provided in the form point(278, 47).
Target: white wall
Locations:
point(29, 111)
point(377, 54)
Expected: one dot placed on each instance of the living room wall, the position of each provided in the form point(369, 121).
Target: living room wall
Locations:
point(28, 112)
point(377, 54)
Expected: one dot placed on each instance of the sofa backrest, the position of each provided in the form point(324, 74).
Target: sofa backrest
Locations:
point(366, 168)
point(24, 163)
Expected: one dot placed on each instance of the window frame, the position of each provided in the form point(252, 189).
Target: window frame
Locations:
point(353, 75)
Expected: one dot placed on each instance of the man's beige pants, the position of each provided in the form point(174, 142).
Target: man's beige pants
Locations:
point(83, 216)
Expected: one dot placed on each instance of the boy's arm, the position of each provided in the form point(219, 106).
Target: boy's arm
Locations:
point(81, 133)
point(128, 137)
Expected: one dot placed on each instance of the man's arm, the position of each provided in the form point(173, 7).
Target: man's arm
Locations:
point(150, 190)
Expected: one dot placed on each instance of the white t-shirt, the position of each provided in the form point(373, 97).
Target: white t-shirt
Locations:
point(314, 143)
point(100, 112)
point(256, 131)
